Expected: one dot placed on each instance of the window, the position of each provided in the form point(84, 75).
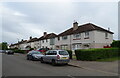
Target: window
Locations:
point(64, 37)
point(54, 53)
point(106, 35)
point(86, 34)
point(58, 38)
point(51, 53)
point(63, 52)
point(64, 47)
point(43, 41)
point(46, 40)
point(52, 41)
point(77, 36)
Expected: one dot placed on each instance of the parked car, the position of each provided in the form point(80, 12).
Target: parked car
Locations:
point(43, 50)
point(9, 52)
point(56, 57)
point(34, 55)
point(2, 51)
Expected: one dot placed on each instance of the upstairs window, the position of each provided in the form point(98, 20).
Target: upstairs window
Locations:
point(43, 41)
point(76, 36)
point(58, 38)
point(86, 34)
point(46, 40)
point(106, 35)
point(64, 37)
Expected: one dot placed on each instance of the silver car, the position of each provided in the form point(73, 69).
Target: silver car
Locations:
point(34, 55)
point(56, 57)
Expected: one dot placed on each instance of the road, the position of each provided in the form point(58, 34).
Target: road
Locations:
point(17, 65)
point(0, 64)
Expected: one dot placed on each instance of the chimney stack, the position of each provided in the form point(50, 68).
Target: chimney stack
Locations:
point(75, 26)
point(22, 40)
point(44, 34)
point(108, 29)
point(30, 37)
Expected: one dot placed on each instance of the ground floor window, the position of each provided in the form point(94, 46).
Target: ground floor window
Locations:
point(76, 46)
point(65, 47)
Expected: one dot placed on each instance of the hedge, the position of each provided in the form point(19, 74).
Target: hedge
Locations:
point(94, 54)
point(20, 51)
point(70, 53)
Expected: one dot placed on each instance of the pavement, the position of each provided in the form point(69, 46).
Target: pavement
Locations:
point(106, 67)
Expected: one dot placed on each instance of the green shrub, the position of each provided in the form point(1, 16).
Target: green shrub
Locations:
point(116, 44)
point(20, 51)
point(70, 53)
point(94, 54)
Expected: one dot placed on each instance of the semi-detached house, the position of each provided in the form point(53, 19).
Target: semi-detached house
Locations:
point(84, 37)
point(77, 37)
point(48, 40)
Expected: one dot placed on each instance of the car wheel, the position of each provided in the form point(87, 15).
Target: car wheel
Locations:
point(30, 58)
point(66, 64)
point(27, 58)
point(53, 62)
point(41, 60)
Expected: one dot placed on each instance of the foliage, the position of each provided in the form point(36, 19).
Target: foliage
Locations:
point(70, 53)
point(116, 43)
point(4, 46)
point(94, 54)
point(20, 51)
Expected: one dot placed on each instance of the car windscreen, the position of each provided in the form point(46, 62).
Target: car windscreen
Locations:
point(36, 52)
point(63, 52)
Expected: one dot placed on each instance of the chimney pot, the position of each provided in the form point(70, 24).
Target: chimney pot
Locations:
point(30, 37)
point(44, 34)
point(75, 26)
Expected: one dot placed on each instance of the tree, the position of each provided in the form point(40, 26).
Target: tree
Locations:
point(4, 46)
point(116, 43)
point(0, 46)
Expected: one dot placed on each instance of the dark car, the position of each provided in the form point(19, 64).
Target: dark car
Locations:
point(43, 50)
point(2, 51)
point(9, 52)
point(34, 55)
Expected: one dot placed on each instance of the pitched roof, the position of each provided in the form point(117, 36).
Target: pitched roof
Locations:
point(32, 40)
point(48, 36)
point(20, 42)
point(83, 28)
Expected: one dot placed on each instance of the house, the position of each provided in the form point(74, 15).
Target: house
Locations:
point(84, 37)
point(13, 45)
point(32, 43)
point(77, 37)
point(48, 40)
point(22, 44)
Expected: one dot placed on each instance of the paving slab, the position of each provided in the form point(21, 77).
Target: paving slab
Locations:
point(110, 67)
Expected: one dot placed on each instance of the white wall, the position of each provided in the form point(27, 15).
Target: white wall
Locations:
point(82, 40)
point(100, 37)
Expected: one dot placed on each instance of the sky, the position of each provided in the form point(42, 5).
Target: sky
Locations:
point(20, 20)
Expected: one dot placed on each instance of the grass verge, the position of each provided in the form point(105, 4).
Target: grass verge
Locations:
point(109, 59)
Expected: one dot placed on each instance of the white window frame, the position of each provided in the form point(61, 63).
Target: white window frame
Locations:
point(63, 37)
point(87, 34)
point(76, 35)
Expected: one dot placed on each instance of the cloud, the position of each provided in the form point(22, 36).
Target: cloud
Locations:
point(19, 14)
point(33, 18)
